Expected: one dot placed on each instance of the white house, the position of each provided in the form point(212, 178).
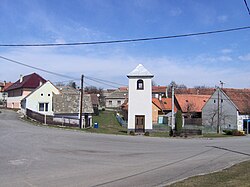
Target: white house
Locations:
point(140, 100)
point(40, 100)
point(228, 109)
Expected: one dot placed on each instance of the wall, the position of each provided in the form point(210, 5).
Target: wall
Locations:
point(155, 111)
point(43, 94)
point(140, 102)
point(227, 110)
point(14, 102)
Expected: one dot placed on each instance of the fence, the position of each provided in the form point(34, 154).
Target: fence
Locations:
point(50, 120)
point(122, 122)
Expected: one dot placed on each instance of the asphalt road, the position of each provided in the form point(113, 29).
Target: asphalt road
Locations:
point(40, 156)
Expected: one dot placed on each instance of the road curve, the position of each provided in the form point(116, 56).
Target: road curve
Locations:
point(40, 156)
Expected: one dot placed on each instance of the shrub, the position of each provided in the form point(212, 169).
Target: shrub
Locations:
point(171, 133)
point(228, 132)
point(132, 133)
point(238, 133)
point(103, 109)
point(146, 133)
point(178, 126)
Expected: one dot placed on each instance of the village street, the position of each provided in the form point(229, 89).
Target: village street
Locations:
point(39, 156)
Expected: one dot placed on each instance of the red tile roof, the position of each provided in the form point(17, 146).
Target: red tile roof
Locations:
point(195, 91)
point(7, 85)
point(191, 102)
point(163, 104)
point(29, 81)
point(240, 97)
point(157, 89)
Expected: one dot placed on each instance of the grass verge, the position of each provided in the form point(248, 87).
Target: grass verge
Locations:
point(107, 124)
point(237, 175)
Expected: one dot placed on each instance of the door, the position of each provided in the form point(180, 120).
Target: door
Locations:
point(139, 123)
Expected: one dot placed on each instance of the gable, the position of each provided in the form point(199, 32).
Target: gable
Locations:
point(31, 81)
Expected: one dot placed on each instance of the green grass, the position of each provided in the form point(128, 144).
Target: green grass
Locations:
point(107, 124)
point(159, 134)
point(238, 175)
point(215, 135)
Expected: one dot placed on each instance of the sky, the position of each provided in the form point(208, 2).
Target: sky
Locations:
point(193, 61)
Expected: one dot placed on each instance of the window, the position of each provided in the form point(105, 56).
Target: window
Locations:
point(110, 102)
point(119, 102)
point(48, 94)
point(140, 85)
point(43, 107)
point(41, 94)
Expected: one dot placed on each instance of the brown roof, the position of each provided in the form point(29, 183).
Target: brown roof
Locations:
point(240, 97)
point(7, 85)
point(29, 81)
point(157, 89)
point(164, 103)
point(191, 102)
point(195, 91)
point(94, 99)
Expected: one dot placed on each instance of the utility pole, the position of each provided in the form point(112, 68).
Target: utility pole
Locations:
point(172, 113)
point(81, 101)
point(218, 111)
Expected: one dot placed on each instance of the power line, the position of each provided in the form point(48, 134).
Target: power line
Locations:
point(126, 40)
point(247, 6)
point(100, 81)
point(40, 69)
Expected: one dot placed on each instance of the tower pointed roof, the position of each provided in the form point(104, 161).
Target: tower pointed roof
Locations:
point(140, 71)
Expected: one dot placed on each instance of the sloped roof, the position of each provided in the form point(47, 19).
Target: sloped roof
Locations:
point(191, 102)
point(195, 91)
point(68, 103)
point(164, 103)
point(140, 71)
point(156, 89)
point(29, 81)
point(118, 95)
point(7, 85)
point(240, 97)
point(94, 99)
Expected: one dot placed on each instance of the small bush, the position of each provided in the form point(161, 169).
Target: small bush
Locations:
point(228, 132)
point(171, 133)
point(132, 133)
point(146, 133)
point(238, 133)
point(234, 132)
point(103, 109)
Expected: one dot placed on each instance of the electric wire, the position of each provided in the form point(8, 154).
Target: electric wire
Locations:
point(126, 40)
point(40, 69)
point(100, 81)
point(247, 6)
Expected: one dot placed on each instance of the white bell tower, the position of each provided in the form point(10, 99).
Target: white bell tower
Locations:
point(140, 100)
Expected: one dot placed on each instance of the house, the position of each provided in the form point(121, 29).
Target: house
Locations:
point(228, 108)
point(21, 88)
point(191, 107)
point(116, 99)
point(159, 92)
point(95, 103)
point(66, 105)
point(140, 100)
point(40, 100)
point(161, 110)
point(3, 94)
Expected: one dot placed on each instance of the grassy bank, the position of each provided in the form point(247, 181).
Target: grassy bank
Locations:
point(107, 124)
point(238, 175)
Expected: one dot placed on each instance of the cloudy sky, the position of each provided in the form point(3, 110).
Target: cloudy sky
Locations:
point(197, 60)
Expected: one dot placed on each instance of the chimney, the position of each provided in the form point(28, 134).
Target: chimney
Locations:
point(21, 78)
point(4, 83)
point(160, 97)
point(40, 83)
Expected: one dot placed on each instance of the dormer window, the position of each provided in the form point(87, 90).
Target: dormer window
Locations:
point(140, 85)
